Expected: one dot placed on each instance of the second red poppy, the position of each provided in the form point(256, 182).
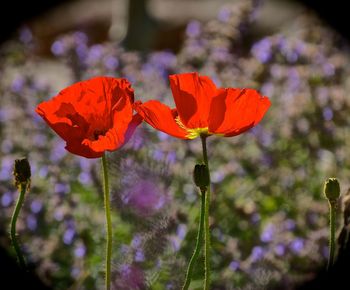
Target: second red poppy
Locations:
point(202, 108)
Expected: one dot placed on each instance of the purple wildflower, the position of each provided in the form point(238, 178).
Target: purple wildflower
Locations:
point(262, 50)
point(58, 48)
point(80, 251)
point(268, 234)
point(257, 253)
point(193, 29)
point(36, 206)
point(234, 265)
point(31, 222)
point(327, 113)
point(68, 236)
point(280, 249)
point(297, 245)
point(6, 199)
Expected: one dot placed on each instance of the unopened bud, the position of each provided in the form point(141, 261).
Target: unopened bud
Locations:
point(332, 189)
point(201, 176)
point(21, 172)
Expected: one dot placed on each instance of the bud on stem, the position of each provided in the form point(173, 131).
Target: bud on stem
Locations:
point(201, 176)
point(21, 172)
point(332, 189)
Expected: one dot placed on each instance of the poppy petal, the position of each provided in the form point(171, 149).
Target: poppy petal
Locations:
point(77, 148)
point(136, 120)
point(160, 117)
point(63, 119)
point(192, 94)
point(234, 111)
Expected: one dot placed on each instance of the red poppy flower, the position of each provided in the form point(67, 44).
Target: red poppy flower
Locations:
point(92, 116)
point(202, 108)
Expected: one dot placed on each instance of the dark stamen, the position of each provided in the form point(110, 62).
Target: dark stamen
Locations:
point(98, 133)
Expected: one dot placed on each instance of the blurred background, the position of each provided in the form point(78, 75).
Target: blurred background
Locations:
point(269, 218)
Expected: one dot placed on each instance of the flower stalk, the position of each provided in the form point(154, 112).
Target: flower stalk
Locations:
point(199, 243)
point(22, 176)
point(332, 226)
point(206, 219)
point(19, 203)
point(332, 193)
point(108, 223)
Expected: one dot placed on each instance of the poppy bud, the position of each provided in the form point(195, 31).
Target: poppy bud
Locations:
point(201, 176)
point(332, 189)
point(21, 172)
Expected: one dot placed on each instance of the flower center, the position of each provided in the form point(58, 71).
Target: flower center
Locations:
point(193, 133)
point(98, 133)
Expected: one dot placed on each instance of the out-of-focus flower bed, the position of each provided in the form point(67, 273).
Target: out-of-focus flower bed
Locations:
point(269, 218)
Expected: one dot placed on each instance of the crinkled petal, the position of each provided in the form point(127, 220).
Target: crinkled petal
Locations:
point(160, 117)
point(95, 96)
point(234, 111)
point(193, 95)
point(63, 119)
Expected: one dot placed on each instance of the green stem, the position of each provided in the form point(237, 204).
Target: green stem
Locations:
point(206, 220)
point(19, 203)
point(332, 213)
point(198, 243)
point(108, 222)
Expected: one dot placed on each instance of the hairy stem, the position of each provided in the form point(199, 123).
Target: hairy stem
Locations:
point(108, 222)
point(199, 243)
point(206, 220)
point(332, 213)
point(19, 203)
